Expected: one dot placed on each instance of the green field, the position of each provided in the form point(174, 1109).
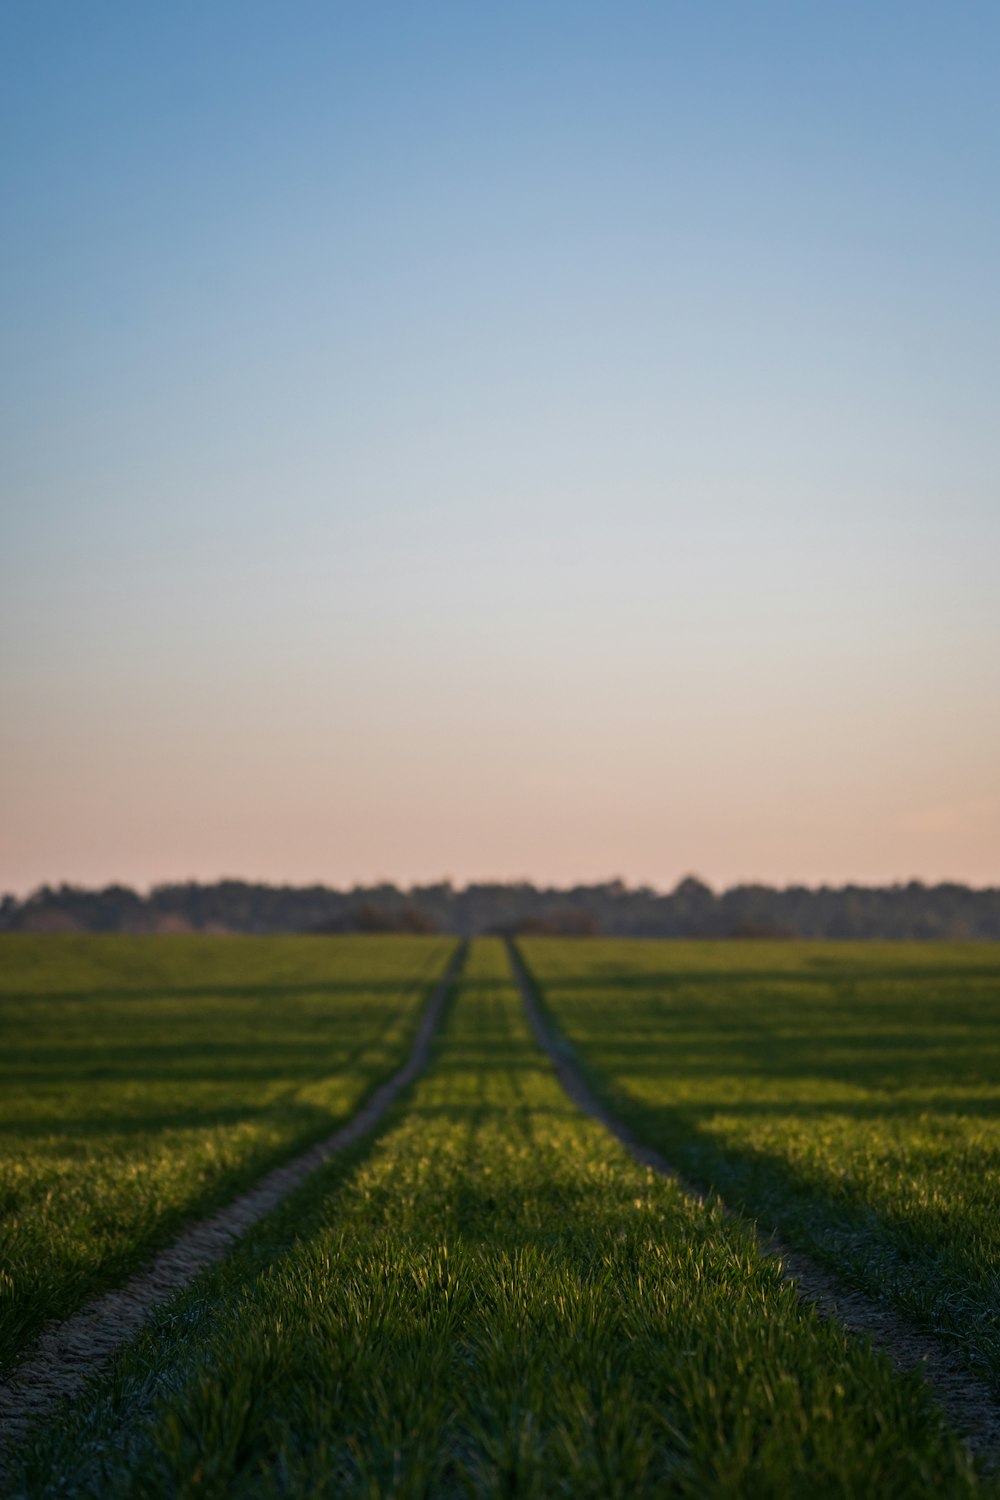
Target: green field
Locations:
point(489, 1297)
point(848, 1094)
point(145, 1081)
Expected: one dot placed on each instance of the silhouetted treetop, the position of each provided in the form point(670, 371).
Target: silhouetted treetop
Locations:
point(692, 909)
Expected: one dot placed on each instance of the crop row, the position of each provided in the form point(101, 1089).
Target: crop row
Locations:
point(143, 1082)
point(847, 1094)
point(493, 1299)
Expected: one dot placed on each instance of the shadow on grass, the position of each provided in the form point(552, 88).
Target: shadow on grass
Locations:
point(811, 973)
point(275, 990)
point(944, 1283)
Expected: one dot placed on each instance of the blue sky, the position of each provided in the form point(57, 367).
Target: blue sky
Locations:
point(492, 440)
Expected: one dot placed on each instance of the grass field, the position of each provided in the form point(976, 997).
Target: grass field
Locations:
point(489, 1297)
point(144, 1081)
point(848, 1094)
point(493, 1299)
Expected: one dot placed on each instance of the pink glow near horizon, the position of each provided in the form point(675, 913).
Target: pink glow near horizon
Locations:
point(782, 774)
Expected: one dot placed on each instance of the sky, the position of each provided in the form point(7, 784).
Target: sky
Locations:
point(503, 440)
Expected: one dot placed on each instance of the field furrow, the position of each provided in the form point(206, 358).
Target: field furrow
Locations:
point(965, 1398)
point(494, 1299)
point(144, 1083)
point(846, 1095)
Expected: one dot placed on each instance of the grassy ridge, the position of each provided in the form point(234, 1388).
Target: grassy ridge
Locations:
point(144, 1080)
point(494, 1300)
point(848, 1093)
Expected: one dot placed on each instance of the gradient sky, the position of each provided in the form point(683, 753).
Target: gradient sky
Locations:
point(471, 440)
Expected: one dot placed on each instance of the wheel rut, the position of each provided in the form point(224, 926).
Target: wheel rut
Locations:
point(69, 1353)
point(967, 1402)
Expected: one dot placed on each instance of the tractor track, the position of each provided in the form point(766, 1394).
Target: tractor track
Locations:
point(967, 1402)
point(68, 1354)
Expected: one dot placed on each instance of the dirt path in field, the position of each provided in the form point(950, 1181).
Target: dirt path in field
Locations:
point(69, 1353)
point(966, 1401)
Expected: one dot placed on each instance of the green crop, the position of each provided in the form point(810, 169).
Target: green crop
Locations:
point(848, 1094)
point(492, 1299)
point(144, 1081)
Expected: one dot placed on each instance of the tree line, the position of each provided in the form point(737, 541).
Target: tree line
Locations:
point(691, 910)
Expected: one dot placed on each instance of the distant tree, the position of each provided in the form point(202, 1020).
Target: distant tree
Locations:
point(566, 923)
point(691, 910)
point(407, 918)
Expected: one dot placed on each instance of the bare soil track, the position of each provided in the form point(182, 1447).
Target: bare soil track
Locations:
point(68, 1354)
point(966, 1401)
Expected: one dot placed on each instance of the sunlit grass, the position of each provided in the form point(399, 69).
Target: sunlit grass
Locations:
point(143, 1081)
point(493, 1299)
point(847, 1093)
